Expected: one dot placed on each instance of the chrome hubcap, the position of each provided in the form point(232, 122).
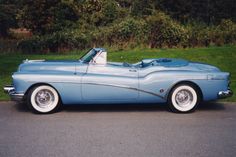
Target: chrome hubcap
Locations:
point(184, 98)
point(44, 98)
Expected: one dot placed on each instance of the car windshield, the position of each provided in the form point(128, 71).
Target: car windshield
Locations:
point(88, 56)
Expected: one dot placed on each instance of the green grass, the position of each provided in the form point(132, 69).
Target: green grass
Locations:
point(222, 57)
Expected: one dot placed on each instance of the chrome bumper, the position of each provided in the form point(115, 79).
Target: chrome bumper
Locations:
point(225, 94)
point(13, 95)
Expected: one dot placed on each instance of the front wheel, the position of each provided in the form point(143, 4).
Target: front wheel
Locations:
point(43, 99)
point(183, 98)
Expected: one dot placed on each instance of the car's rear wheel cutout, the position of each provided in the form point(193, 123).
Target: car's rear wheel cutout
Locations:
point(43, 99)
point(183, 98)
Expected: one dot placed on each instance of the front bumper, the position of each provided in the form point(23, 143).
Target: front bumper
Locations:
point(12, 93)
point(225, 94)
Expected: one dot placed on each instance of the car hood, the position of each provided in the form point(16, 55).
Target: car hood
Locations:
point(49, 65)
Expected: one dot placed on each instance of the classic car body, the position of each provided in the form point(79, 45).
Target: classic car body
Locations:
point(93, 80)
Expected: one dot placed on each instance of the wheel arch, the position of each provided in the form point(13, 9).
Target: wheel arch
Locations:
point(187, 82)
point(40, 84)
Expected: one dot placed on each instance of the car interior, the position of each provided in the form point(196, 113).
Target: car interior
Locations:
point(100, 57)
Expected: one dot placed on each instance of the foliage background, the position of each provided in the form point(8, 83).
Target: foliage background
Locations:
point(65, 25)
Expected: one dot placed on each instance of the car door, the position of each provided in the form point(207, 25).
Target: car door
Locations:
point(110, 82)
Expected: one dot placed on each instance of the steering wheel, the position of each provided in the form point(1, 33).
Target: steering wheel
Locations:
point(126, 64)
point(142, 64)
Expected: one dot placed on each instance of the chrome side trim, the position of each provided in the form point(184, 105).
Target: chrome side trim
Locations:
point(127, 87)
point(225, 94)
point(112, 85)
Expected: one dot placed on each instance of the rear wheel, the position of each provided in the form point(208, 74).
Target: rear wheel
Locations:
point(183, 98)
point(43, 99)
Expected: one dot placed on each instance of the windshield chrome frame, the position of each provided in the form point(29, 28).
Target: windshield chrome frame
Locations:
point(83, 59)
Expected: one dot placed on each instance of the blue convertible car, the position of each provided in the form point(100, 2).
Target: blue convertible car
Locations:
point(45, 85)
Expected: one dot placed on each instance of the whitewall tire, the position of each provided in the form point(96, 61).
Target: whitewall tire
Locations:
point(43, 99)
point(183, 98)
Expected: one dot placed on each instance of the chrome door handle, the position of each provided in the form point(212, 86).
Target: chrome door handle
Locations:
point(132, 70)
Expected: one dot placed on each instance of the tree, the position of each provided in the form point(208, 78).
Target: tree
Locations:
point(7, 17)
point(124, 3)
point(96, 12)
point(141, 7)
point(107, 14)
point(208, 11)
point(46, 16)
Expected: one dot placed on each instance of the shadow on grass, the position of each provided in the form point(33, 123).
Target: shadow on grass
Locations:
point(206, 106)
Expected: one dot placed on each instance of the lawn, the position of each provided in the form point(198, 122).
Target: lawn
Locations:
point(222, 57)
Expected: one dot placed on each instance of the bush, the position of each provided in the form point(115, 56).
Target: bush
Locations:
point(155, 31)
point(30, 45)
point(56, 42)
point(203, 35)
point(164, 32)
point(225, 33)
point(121, 33)
point(8, 46)
point(130, 28)
point(198, 34)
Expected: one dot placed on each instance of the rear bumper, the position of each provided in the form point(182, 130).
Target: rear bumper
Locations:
point(13, 94)
point(225, 94)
